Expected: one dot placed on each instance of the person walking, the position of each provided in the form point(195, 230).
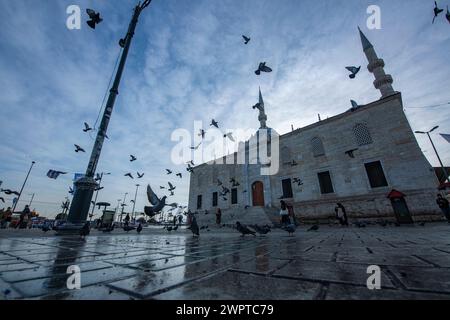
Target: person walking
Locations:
point(284, 213)
point(444, 206)
point(127, 219)
point(341, 214)
point(8, 217)
point(219, 216)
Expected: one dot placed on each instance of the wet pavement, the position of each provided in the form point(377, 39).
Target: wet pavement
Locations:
point(328, 264)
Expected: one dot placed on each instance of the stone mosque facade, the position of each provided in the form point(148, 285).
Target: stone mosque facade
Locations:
point(366, 158)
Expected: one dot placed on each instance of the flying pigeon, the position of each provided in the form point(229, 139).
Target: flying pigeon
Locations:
point(179, 175)
point(139, 228)
point(86, 127)
point(132, 158)
point(262, 68)
point(258, 106)
point(129, 175)
point(214, 123)
point(354, 105)
point(298, 181)
point(194, 227)
point(2, 199)
point(229, 135)
point(168, 171)
point(95, 18)
point(158, 204)
point(290, 228)
point(98, 177)
point(78, 148)
point(244, 229)
point(448, 15)
point(53, 174)
point(161, 187)
point(354, 71)
point(140, 175)
point(314, 228)
point(202, 133)
point(172, 188)
point(190, 163)
point(350, 153)
point(10, 192)
point(246, 39)
point(70, 190)
point(196, 147)
point(437, 11)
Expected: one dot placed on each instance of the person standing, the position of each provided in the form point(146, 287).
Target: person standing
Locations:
point(219, 216)
point(341, 214)
point(8, 217)
point(180, 219)
point(127, 219)
point(444, 206)
point(284, 213)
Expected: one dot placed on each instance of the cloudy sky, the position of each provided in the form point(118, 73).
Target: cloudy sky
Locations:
point(188, 63)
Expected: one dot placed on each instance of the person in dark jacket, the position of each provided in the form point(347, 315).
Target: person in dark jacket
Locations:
point(341, 214)
point(219, 216)
point(444, 206)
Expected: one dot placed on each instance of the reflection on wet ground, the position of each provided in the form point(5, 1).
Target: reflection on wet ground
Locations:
point(328, 264)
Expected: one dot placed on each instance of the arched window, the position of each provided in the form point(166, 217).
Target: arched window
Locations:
point(317, 147)
point(362, 134)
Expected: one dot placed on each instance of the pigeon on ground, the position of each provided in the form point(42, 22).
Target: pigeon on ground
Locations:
point(129, 175)
point(436, 10)
point(246, 207)
point(132, 158)
point(229, 135)
point(171, 187)
point(194, 227)
point(262, 68)
point(78, 148)
point(158, 204)
point(290, 228)
point(354, 71)
point(448, 15)
point(86, 127)
point(128, 228)
point(350, 153)
point(246, 39)
point(244, 229)
point(214, 123)
point(262, 229)
point(139, 228)
point(179, 175)
point(314, 228)
point(422, 224)
point(202, 133)
point(140, 175)
point(85, 230)
point(196, 147)
point(95, 18)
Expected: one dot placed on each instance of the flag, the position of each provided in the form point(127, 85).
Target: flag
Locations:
point(446, 137)
point(52, 174)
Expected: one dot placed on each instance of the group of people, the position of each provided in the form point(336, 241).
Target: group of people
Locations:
point(287, 213)
point(24, 219)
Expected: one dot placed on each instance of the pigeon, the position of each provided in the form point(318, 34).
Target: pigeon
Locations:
point(172, 188)
point(225, 190)
point(298, 181)
point(179, 175)
point(71, 190)
point(354, 71)
point(448, 15)
point(129, 175)
point(314, 228)
point(99, 188)
point(98, 177)
point(171, 194)
point(85, 230)
point(194, 227)
point(168, 171)
point(258, 106)
point(191, 163)
point(161, 187)
point(422, 224)
point(78, 148)
point(244, 229)
point(95, 18)
point(290, 228)
point(196, 147)
point(262, 68)
point(229, 135)
point(246, 39)
point(219, 183)
point(2, 199)
point(262, 230)
point(86, 127)
point(354, 105)
point(214, 123)
point(202, 133)
point(128, 228)
point(140, 175)
point(53, 174)
point(139, 228)
point(158, 204)
point(132, 158)
point(10, 192)
point(436, 10)
point(246, 207)
point(350, 153)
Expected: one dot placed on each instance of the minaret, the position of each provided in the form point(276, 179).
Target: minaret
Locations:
point(262, 115)
point(383, 81)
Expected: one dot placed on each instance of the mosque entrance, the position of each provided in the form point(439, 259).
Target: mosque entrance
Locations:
point(258, 194)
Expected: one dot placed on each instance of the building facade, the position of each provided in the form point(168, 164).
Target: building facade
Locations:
point(367, 158)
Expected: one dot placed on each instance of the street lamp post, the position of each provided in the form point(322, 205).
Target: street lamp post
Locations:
point(123, 205)
point(23, 186)
point(435, 151)
point(85, 186)
point(134, 202)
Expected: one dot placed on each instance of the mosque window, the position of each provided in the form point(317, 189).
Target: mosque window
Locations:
point(199, 202)
point(287, 188)
point(234, 196)
point(376, 175)
point(362, 134)
point(317, 147)
point(326, 185)
point(214, 199)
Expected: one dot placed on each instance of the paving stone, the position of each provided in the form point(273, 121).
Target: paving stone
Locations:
point(429, 279)
point(94, 292)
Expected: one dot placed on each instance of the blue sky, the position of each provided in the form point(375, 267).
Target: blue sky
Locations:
point(188, 63)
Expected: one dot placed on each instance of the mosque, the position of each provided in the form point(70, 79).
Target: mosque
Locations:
point(366, 158)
